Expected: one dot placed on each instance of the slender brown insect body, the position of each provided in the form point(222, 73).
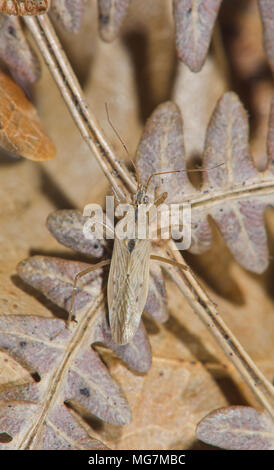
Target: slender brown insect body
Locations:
point(128, 285)
point(128, 281)
point(24, 7)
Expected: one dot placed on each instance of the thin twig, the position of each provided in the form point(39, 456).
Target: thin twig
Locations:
point(60, 68)
point(122, 183)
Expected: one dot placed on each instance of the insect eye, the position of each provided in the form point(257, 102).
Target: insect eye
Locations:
point(145, 199)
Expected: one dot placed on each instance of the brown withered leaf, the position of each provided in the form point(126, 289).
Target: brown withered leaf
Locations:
point(194, 21)
point(111, 16)
point(24, 7)
point(21, 132)
point(16, 53)
point(267, 15)
point(68, 373)
point(237, 428)
point(234, 194)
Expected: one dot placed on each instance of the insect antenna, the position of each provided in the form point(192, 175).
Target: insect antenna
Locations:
point(178, 171)
point(123, 144)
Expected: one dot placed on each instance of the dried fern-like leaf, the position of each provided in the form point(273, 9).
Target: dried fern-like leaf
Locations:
point(15, 50)
point(69, 13)
point(20, 128)
point(111, 17)
point(162, 149)
point(234, 194)
point(16, 53)
point(267, 15)
point(237, 428)
point(194, 21)
point(71, 375)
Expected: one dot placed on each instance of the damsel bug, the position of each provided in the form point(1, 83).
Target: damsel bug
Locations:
point(128, 280)
point(24, 7)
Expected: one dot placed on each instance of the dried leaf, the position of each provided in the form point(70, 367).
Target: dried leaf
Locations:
point(156, 304)
point(237, 428)
point(60, 431)
point(56, 356)
point(267, 15)
point(166, 419)
point(67, 227)
point(69, 13)
point(162, 149)
point(270, 137)
point(111, 17)
point(194, 21)
point(235, 194)
point(24, 7)
point(20, 129)
point(241, 218)
point(16, 53)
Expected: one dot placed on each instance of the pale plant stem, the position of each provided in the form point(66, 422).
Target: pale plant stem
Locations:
point(122, 184)
point(66, 80)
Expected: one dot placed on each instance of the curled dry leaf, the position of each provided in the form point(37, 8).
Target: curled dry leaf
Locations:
point(69, 374)
point(234, 194)
point(20, 128)
point(237, 428)
point(24, 7)
point(111, 17)
point(267, 15)
point(194, 21)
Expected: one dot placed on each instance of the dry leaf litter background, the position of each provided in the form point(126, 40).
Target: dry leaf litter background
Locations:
point(189, 375)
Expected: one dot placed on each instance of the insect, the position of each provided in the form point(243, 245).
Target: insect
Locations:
point(128, 280)
point(24, 7)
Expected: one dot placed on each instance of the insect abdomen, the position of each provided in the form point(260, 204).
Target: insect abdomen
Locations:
point(127, 288)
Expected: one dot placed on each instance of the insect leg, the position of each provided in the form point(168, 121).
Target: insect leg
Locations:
point(81, 274)
point(169, 261)
point(160, 199)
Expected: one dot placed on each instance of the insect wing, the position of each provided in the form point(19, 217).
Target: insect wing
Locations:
point(128, 285)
